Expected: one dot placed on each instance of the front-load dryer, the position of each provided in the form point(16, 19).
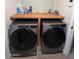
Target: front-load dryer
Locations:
point(53, 36)
point(23, 38)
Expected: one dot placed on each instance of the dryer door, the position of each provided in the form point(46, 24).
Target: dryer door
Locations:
point(23, 39)
point(54, 37)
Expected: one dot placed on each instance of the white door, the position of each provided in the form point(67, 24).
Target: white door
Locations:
point(69, 37)
point(65, 8)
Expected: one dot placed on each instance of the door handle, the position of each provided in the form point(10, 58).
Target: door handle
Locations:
point(71, 27)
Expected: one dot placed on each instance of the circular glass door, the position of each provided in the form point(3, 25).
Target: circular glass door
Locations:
point(23, 40)
point(54, 37)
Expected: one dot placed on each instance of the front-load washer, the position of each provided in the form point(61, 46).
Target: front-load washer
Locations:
point(53, 36)
point(23, 38)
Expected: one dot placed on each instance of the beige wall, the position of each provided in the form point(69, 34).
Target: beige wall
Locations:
point(42, 5)
point(63, 7)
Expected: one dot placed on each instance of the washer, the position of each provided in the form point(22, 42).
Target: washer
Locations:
point(23, 38)
point(53, 36)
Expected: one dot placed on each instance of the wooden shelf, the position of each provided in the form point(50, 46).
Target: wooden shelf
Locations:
point(36, 15)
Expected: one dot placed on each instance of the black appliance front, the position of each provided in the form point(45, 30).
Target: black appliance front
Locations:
point(22, 41)
point(53, 37)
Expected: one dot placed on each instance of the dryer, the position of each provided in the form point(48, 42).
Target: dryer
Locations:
point(53, 36)
point(23, 38)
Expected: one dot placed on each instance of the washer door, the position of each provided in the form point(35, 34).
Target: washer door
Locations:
point(54, 37)
point(23, 39)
